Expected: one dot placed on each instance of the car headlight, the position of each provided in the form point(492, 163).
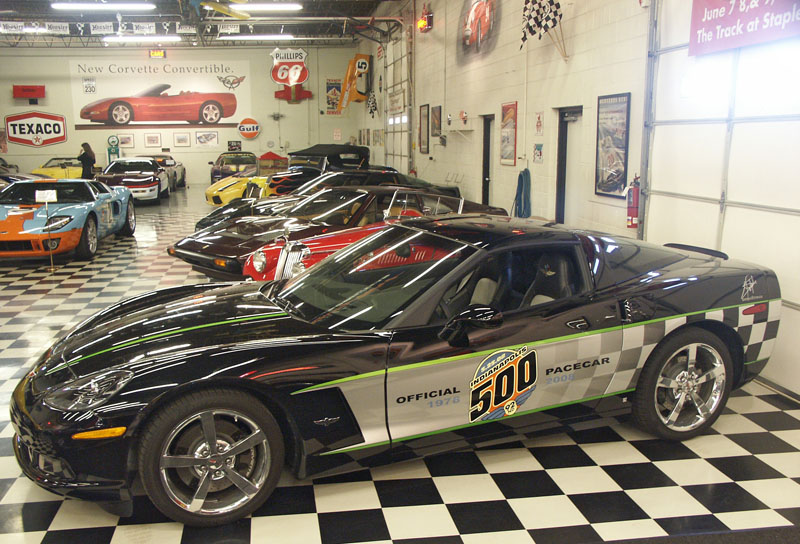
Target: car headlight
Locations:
point(259, 261)
point(57, 222)
point(88, 392)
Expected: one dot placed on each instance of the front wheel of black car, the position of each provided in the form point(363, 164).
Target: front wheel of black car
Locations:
point(211, 457)
point(684, 385)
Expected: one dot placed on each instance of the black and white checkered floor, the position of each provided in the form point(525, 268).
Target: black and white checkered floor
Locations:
point(585, 485)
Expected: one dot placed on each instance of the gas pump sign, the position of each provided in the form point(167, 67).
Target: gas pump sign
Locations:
point(289, 66)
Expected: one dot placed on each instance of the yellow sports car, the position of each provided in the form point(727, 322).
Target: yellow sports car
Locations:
point(233, 186)
point(61, 168)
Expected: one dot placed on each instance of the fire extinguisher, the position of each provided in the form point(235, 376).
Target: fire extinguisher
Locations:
point(633, 204)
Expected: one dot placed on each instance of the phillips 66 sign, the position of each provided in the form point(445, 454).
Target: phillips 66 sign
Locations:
point(36, 128)
point(289, 66)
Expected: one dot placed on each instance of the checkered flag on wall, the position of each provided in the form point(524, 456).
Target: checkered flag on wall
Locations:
point(539, 17)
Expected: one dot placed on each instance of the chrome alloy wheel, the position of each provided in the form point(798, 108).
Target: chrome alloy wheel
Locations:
point(131, 216)
point(91, 236)
point(121, 114)
point(690, 387)
point(214, 461)
point(211, 113)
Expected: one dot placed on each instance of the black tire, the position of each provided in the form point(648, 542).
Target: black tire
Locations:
point(165, 192)
point(130, 220)
point(182, 183)
point(181, 428)
point(117, 113)
point(210, 113)
point(87, 246)
point(672, 388)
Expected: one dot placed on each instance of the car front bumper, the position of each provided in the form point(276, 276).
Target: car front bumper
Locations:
point(87, 469)
point(144, 193)
point(37, 245)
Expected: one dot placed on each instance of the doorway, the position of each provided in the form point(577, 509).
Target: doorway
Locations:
point(569, 159)
point(486, 179)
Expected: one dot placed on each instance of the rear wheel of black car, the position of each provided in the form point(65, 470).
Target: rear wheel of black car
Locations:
point(684, 385)
point(87, 246)
point(130, 220)
point(211, 457)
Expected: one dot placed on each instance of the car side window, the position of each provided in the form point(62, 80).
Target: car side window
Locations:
point(438, 205)
point(370, 215)
point(402, 205)
point(514, 280)
point(100, 187)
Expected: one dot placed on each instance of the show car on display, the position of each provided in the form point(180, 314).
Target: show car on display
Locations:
point(77, 215)
point(229, 163)
point(253, 203)
point(220, 251)
point(60, 168)
point(146, 179)
point(430, 335)
point(231, 187)
point(284, 257)
point(7, 178)
point(175, 170)
point(156, 104)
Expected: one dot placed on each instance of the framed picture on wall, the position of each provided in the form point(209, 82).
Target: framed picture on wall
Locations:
point(424, 121)
point(152, 140)
point(125, 140)
point(436, 121)
point(613, 122)
point(182, 139)
point(206, 138)
point(508, 133)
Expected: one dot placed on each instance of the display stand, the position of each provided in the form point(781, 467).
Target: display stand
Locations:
point(46, 196)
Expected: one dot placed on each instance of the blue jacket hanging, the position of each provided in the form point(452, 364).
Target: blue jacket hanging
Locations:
point(522, 201)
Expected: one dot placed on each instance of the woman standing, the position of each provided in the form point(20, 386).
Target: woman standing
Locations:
point(87, 159)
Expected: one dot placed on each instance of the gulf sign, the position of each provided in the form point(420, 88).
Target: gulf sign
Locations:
point(289, 66)
point(249, 128)
point(36, 128)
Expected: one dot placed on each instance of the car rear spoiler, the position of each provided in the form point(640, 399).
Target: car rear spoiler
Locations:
point(698, 249)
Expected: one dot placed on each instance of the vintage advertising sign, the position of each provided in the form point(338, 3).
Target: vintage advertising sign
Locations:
point(36, 128)
point(719, 25)
point(333, 90)
point(289, 66)
point(249, 128)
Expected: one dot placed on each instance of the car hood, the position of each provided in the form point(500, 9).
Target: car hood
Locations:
point(237, 238)
point(241, 207)
point(95, 103)
point(167, 324)
point(31, 219)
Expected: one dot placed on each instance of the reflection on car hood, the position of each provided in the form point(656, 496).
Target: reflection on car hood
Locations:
point(158, 326)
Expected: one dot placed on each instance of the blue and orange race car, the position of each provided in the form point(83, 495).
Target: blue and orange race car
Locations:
point(78, 214)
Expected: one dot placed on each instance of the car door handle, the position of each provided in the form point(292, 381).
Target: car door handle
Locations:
point(580, 324)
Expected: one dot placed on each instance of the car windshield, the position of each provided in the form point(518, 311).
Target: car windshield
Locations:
point(155, 90)
point(56, 163)
point(229, 160)
point(25, 193)
point(365, 285)
point(299, 160)
point(122, 167)
point(331, 207)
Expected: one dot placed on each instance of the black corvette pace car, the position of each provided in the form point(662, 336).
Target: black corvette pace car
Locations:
point(428, 335)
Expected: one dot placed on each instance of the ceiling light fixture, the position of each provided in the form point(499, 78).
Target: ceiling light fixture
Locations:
point(129, 38)
point(258, 37)
point(96, 6)
point(262, 7)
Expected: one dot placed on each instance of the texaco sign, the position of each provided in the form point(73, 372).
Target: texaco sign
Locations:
point(36, 128)
point(289, 66)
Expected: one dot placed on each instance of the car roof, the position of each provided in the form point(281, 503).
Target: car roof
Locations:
point(325, 150)
point(492, 231)
point(237, 153)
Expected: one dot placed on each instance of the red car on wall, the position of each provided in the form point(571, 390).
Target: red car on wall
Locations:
point(479, 23)
point(155, 104)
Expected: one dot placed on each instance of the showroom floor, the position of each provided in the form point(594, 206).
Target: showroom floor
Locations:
point(586, 485)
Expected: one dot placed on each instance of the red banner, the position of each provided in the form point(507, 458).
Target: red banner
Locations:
point(719, 25)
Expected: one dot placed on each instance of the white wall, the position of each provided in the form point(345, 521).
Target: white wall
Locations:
point(301, 126)
point(607, 44)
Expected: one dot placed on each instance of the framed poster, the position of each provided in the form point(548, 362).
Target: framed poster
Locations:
point(424, 119)
point(152, 140)
point(436, 121)
point(125, 140)
point(234, 145)
point(613, 122)
point(206, 138)
point(508, 133)
point(181, 139)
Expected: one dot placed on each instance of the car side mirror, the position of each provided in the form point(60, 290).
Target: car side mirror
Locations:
point(477, 315)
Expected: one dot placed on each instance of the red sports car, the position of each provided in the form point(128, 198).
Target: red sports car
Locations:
point(479, 23)
point(155, 104)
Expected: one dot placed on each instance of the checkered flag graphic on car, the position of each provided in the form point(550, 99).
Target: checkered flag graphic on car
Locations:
point(538, 17)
